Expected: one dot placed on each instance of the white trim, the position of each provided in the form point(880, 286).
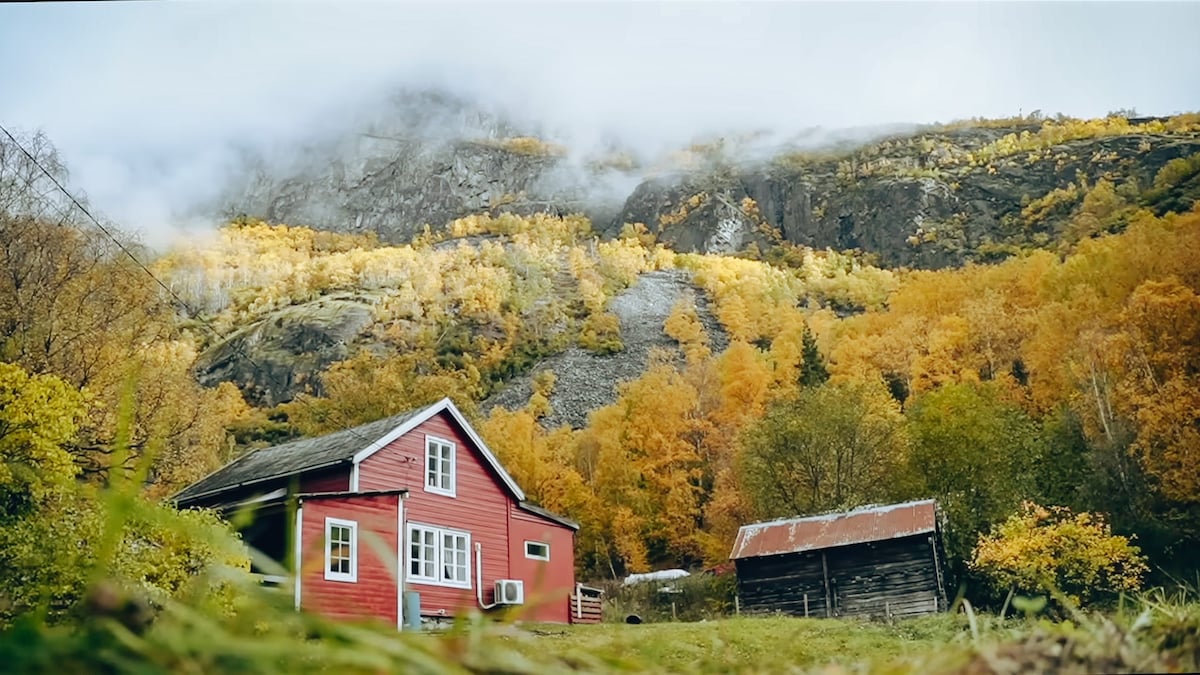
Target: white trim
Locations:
point(447, 405)
point(352, 575)
point(400, 570)
point(438, 563)
point(537, 557)
point(437, 489)
point(298, 546)
point(354, 477)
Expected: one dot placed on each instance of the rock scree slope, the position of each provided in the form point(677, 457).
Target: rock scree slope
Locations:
point(585, 381)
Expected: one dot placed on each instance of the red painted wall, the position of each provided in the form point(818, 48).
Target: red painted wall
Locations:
point(374, 592)
point(336, 479)
point(479, 507)
point(548, 584)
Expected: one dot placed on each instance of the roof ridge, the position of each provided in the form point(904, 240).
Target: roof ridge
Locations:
point(844, 512)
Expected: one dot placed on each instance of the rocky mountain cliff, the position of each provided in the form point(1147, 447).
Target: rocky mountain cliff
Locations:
point(426, 159)
point(919, 200)
point(925, 198)
point(921, 197)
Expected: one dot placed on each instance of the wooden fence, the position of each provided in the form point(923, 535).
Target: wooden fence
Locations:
point(586, 605)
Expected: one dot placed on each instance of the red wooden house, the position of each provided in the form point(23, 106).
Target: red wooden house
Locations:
point(414, 505)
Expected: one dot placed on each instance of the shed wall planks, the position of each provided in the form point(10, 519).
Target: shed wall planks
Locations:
point(897, 577)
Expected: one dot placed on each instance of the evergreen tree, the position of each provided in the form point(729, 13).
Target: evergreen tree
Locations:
point(812, 370)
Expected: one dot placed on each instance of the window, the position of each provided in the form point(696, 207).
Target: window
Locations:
point(439, 556)
point(439, 466)
point(537, 550)
point(341, 550)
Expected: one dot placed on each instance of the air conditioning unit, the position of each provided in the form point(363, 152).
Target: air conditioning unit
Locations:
point(510, 592)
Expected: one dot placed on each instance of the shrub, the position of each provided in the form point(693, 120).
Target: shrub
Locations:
point(601, 334)
point(1052, 550)
point(50, 558)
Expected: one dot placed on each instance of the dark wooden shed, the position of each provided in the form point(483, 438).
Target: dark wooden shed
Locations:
point(882, 561)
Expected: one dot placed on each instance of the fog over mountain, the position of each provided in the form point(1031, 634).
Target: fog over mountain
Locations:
point(155, 106)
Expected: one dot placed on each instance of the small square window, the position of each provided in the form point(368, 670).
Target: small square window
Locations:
point(341, 550)
point(537, 550)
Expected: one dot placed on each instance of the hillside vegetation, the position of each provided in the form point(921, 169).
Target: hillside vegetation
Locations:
point(1063, 379)
point(1056, 368)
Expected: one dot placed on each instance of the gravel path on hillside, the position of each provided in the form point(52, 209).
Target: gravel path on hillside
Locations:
point(585, 381)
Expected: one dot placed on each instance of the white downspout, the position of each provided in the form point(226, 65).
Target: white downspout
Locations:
point(479, 577)
point(298, 547)
point(401, 568)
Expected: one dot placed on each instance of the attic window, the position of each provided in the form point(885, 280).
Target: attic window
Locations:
point(341, 550)
point(439, 466)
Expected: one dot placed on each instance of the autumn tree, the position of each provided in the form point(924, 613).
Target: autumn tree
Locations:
point(1050, 550)
point(976, 452)
point(368, 387)
point(541, 461)
point(52, 528)
point(639, 454)
point(74, 304)
point(684, 326)
point(39, 416)
point(1159, 386)
point(828, 447)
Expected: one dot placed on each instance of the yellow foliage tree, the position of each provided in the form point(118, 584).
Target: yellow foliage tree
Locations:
point(647, 466)
point(1159, 385)
point(1052, 550)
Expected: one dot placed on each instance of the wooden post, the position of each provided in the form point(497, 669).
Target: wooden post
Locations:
point(578, 600)
point(737, 605)
point(887, 609)
point(806, 605)
point(674, 617)
point(940, 591)
point(828, 595)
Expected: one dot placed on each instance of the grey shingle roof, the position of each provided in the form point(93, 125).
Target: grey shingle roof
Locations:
point(291, 458)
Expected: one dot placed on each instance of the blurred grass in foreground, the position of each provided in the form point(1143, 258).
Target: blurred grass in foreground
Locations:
point(263, 635)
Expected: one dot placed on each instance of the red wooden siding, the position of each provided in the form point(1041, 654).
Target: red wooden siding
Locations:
point(336, 479)
point(478, 508)
point(374, 592)
point(548, 584)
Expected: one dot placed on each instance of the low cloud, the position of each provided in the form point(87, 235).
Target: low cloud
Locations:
point(154, 105)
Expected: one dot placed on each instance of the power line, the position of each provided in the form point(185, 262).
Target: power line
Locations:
point(181, 302)
point(92, 218)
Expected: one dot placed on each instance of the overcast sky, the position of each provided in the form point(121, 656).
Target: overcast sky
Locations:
point(144, 100)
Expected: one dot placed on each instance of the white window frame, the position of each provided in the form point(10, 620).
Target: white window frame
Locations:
point(437, 488)
point(330, 575)
point(534, 556)
point(439, 552)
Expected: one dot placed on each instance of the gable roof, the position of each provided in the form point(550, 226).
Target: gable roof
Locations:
point(349, 447)
point(794, 535)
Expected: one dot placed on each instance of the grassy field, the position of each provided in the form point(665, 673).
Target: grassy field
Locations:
point(753, 644)
point(1150, 634)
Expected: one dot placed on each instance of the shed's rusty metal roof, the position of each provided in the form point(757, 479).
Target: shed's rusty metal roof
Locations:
point(835, 529)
